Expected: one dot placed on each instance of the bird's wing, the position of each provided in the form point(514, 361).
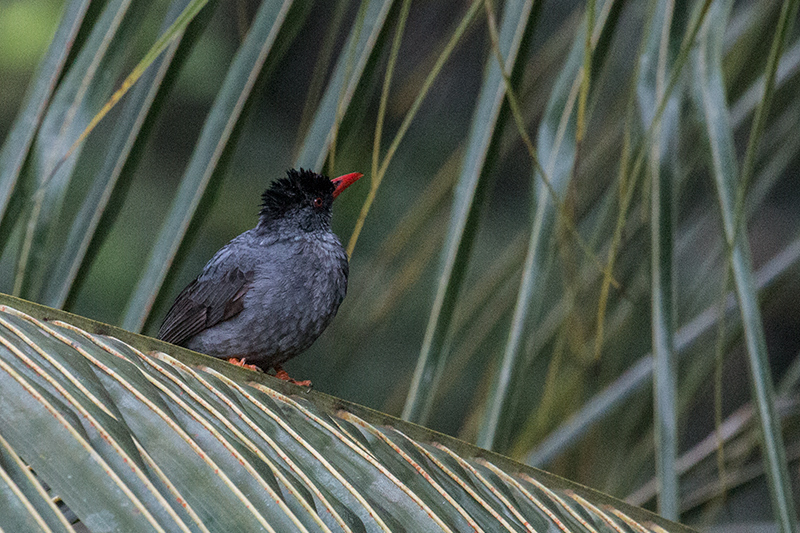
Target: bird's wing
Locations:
point(208, 300)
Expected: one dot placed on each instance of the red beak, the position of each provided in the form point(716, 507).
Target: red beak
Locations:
point(343, 182)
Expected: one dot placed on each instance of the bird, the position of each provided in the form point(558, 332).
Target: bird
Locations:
point(269, 293)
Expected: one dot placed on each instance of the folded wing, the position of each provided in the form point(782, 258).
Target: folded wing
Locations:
point(210, 299)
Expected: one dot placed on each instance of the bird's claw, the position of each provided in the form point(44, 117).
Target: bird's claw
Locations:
point(241, 363)
point(280, 373)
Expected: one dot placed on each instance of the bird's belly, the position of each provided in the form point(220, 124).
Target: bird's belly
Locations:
point(278, 321)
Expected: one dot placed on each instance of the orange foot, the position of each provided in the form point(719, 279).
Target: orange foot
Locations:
point(280, 373)
point(241, 363)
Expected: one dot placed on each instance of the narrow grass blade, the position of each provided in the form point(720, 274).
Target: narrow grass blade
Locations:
point(376, 177)
point(86, 86)
point(349, 71)
point(787, 68)
point(556, 146)
point(653, 70)
point(724, 168)
point(19, 140)
point(327, 48)
point(640, 374)
point(171, 33)
point(378, 172)
point(466, 206)
point(633, 160)
point(217, 131)
point(62, 273)
point(783, 30)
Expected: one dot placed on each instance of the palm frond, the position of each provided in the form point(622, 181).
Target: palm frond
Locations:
point(137, 438)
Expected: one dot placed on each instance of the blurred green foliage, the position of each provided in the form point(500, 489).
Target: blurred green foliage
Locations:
point(369, 353)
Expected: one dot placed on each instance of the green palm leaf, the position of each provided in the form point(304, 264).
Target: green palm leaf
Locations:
point(138, 440)
point(149, 92)
point(538, 317)
point(16, 147)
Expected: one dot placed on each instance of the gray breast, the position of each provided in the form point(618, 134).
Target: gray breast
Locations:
point(296, 292)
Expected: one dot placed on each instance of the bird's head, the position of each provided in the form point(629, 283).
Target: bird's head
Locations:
point(303, 199)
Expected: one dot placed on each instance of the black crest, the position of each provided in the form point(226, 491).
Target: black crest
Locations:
point(299, 189)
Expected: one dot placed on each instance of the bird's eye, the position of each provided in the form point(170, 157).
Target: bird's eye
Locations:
point(318, 202)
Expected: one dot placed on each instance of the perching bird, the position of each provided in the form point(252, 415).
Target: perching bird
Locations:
point(269, 293)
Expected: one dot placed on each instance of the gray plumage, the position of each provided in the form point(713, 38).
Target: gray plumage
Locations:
point(270, 292)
